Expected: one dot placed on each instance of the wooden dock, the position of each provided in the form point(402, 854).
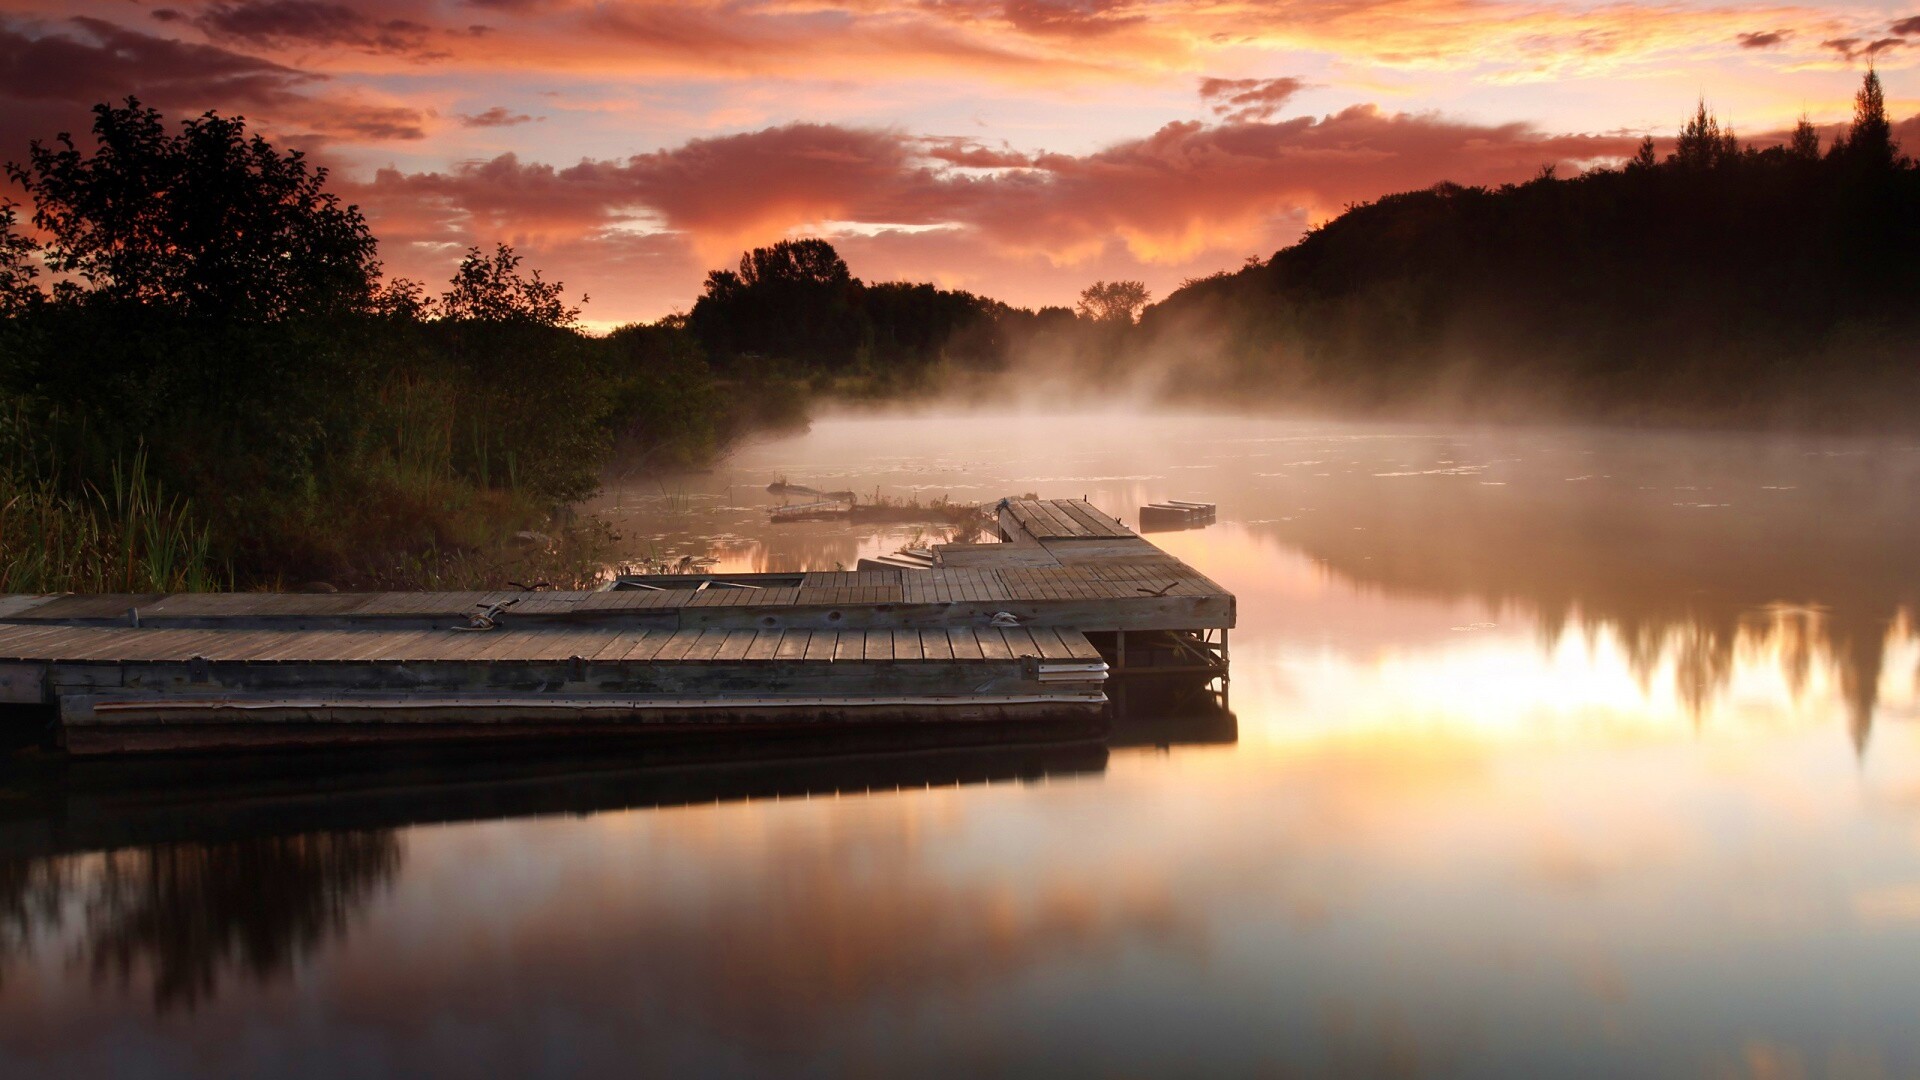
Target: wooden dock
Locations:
point(1020, 637)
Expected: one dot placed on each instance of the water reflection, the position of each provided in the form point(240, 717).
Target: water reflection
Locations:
point(183, 918)
point(1688, 551)
point(1539, 765)
point(183, 878)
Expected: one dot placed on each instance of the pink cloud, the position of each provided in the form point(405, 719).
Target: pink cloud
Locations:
point(1171, 199)
point(310, 22)
point(1248, 99)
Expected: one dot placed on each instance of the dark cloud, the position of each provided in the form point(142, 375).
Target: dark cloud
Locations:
point(1764, 39)
point(106, 62)
point(1906, 26)
point(372, 122)
point(498, 116)
point(1856, 49)
point(1240, 101)
point(311, 22)
point(49, 82)
point(973, 154)
point(1069, 18)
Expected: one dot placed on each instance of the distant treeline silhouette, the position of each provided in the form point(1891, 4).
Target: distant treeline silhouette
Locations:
point(1720, 283)
point(796, 307)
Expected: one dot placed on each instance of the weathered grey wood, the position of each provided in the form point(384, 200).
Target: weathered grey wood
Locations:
point(793, 645)
point(649, 646)
point(993, 644)
point(906, 646)
point(21, 603)
point(821, 645)
point(1078, 647)
point(1021, 641)
point(765, 646)
point(707, 646)
point(678, 645)
point(735, 646)
point(850, 645)
point(935, 645)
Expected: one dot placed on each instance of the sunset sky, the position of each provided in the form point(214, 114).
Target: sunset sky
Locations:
point(1018, 148)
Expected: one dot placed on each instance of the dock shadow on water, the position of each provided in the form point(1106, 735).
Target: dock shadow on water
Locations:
point(186, 881)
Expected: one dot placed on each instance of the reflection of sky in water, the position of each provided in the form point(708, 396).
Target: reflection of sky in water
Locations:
point(1557, 752)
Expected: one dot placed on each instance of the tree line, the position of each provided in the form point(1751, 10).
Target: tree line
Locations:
point(1718, 283)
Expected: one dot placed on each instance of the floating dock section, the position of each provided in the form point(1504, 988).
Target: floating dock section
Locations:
point(1173, 515)
point(1006, 641)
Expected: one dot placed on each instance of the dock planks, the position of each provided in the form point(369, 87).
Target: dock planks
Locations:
point(116, 645)
point(982, 631)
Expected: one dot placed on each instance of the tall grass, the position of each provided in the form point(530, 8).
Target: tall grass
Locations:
point(128, 536)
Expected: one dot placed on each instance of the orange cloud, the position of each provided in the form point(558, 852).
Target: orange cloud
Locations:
point(1057, 43)
point(1167, 199)
point(1248, 99)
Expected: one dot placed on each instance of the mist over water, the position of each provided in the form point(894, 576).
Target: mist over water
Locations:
point(1555, 751)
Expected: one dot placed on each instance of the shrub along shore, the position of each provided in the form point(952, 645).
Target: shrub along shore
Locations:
point(218, 389)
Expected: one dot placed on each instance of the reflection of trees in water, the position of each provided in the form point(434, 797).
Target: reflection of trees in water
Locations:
point(744, 541)
point(1703, 648)
point(31, 891)
point(188, 914)
point(1688, 549)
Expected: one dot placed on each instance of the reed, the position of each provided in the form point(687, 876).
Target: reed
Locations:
point(129, 536)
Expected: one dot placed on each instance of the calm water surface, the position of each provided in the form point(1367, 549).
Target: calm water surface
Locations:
point(1552, 753)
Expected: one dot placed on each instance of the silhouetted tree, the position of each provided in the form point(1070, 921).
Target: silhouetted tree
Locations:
point(509, 356)
point(1869, 141)
point(1805, 144)
point(793, 301)
point(796, 264)
point(490, 288)
point(1113, 301)
point(1702, 143)
point(17, 271)
point(1644, 158)
point(208, 221)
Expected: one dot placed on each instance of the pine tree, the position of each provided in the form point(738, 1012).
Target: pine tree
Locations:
point(1703, 144)
point(1805, 144)
point(1870, 139)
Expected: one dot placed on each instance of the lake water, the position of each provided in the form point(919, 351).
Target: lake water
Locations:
point(1551, 753)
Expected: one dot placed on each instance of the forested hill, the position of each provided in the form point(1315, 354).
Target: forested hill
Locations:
point(1719, 283)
